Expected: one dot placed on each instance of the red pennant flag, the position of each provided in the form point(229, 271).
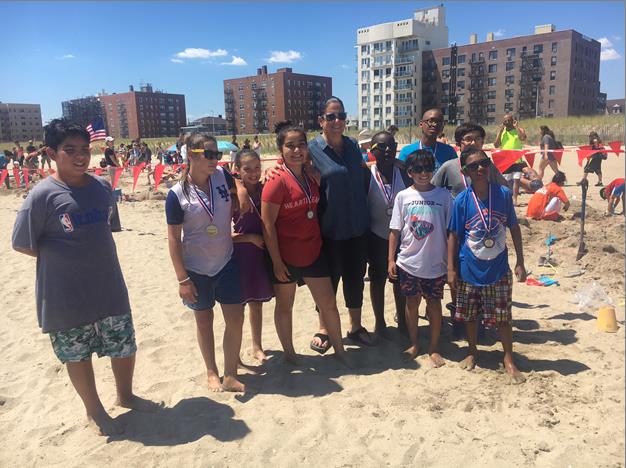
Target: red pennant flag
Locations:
point(584, 154)
point(3, 175)
point(616, 146)
point(530, 158)
point(116, 177)
point(158, 174)
point(175, 167)
point(25, 172)
point(558, 155)
point(41, 173)
point(98, 171)
point(16, 176)
point(136, 171)
point(504, 159)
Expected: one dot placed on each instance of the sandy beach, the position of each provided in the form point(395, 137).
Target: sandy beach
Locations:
point(569, 412)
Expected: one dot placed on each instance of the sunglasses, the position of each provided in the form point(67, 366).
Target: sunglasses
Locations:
point(384, 148)
point(420, 169)
point(209, 154)
point(474, 166)
point(333, 117)
point(433, 122)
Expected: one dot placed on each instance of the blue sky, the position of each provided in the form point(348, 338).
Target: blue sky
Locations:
point(91, 46)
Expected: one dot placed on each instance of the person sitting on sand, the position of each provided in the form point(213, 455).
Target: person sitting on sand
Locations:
point(547, 202)
point(65, 220)
point(478, 258)
point(200, 207)
point(530, 180)
point(418, 224)
point(613, 193)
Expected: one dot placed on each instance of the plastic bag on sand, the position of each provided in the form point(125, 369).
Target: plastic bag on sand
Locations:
point(591, 297)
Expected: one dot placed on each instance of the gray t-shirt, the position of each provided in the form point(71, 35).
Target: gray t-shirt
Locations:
point(548, 140)
point(450, 176)
point(79, 279)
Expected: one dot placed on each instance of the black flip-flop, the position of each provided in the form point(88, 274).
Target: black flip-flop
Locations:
point(321, 348)
point(356, 337)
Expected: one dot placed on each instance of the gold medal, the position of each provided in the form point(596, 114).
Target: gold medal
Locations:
point(310, 214)
point(212, 230)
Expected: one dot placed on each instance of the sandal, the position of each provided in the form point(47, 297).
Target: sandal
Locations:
point(357, 337)
point(325, 346)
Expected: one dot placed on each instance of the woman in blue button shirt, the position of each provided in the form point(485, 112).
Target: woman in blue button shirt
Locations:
point(343, 215)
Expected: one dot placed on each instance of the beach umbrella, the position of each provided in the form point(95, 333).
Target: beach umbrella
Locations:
point(224, 146)
point(171, 149)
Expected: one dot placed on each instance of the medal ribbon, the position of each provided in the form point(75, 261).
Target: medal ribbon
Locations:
point(390, 194)
point(305, 187)
point(207, 204)
point(480, 212)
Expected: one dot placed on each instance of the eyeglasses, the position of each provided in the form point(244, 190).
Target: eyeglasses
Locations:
point(209, 154)
point(433, 122)
point(384, 148)
point(474, 166)
point(472, 139)
point(419, 169)
point(337, 116)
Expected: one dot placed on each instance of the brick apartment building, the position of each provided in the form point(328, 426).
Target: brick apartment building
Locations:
point(253, 104)
point(144, 113)
point(21, 122)
point(547, 74)
point(83, 111)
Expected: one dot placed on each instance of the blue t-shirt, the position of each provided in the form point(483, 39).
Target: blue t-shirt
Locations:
point(481, 265)
point(342, 209)
point(441, 151)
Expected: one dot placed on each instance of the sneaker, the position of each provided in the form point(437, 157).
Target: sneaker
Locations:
point(599, 184)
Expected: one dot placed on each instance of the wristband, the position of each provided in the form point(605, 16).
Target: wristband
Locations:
point(184, 281)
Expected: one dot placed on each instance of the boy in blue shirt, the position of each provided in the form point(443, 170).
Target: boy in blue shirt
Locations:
point(478, 258)
point(82, 301)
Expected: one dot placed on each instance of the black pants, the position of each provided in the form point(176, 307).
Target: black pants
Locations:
point(347, 260)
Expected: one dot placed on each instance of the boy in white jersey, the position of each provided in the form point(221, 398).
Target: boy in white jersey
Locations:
point(419, 221)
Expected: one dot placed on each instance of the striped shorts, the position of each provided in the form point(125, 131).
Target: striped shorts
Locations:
point(493, 300)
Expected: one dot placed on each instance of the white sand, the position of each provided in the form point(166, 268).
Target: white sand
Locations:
point(570, 412)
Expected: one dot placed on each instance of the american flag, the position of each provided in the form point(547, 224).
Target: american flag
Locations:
point(96, 130)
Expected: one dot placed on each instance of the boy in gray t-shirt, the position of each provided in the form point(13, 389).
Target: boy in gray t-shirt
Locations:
point(82, 301)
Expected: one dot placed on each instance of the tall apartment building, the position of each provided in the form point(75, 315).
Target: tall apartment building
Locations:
point(21, 122)
point(547, 74)
point(253, 104)
point(83, 111)
point(390, 67)
point(144, 113)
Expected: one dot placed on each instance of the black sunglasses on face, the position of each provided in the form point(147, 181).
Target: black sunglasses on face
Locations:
point(420, 169)
point(474, 166)
point(385, 148)
point(337, 116)
point(209, 154)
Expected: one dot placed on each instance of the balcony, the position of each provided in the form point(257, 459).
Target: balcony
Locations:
point(403, 60)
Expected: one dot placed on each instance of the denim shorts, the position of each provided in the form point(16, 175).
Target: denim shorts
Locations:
point(224, 287)
point(111, 336)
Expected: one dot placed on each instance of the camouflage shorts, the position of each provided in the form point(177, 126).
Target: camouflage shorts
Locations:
point(111, 336)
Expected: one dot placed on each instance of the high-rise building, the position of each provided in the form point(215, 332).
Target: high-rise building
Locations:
point(390, 67)
point(82, 111)
point(253, 104)
point(144, 113)
point(547, 74)
point(21, 122)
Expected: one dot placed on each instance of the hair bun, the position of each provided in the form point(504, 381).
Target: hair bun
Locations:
point(278, 126)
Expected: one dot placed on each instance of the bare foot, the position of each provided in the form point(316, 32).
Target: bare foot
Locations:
point(515, 376)
point(231, 384)
point(256, 370)
point(259, 355)
point(214, 383)
point(139, 404)
point(468, 363)
point(104, 425)
point(437, 360)
point(410, 353)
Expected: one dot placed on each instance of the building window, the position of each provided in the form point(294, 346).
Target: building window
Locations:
point(509, 93)
point(491, 94)
point(365, 75)
point(365, 49)
point(377, 110)
point(387, 84)
point(460, 72)
point(387, 97)
point(460, 59)
point(510, 53)
point(553, 60)
point(491, 107)
point(445, 73)
point(509, 79)
point(445, 87)
point(551, 104)
point(445, 61)
point(491, 81)
point(460, 84)
point(552, 90)
point(554, 47)
point(509, 66)
point(376, 99)
point(552, 75)
point(481, 56)
point(387, 110)
point(537, 48)
point(493, 68)
point(376, 86)
point(508, 107)
point(241, 106)
point(473, 56)
point(493, 55)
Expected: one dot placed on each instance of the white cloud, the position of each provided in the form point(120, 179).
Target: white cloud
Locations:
point(280, 56)
point(344, 66)
point(607, 52)
point(236, 61)
point(195, 53)
point(67, 57)
point(174, 60)
point(499, 33)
